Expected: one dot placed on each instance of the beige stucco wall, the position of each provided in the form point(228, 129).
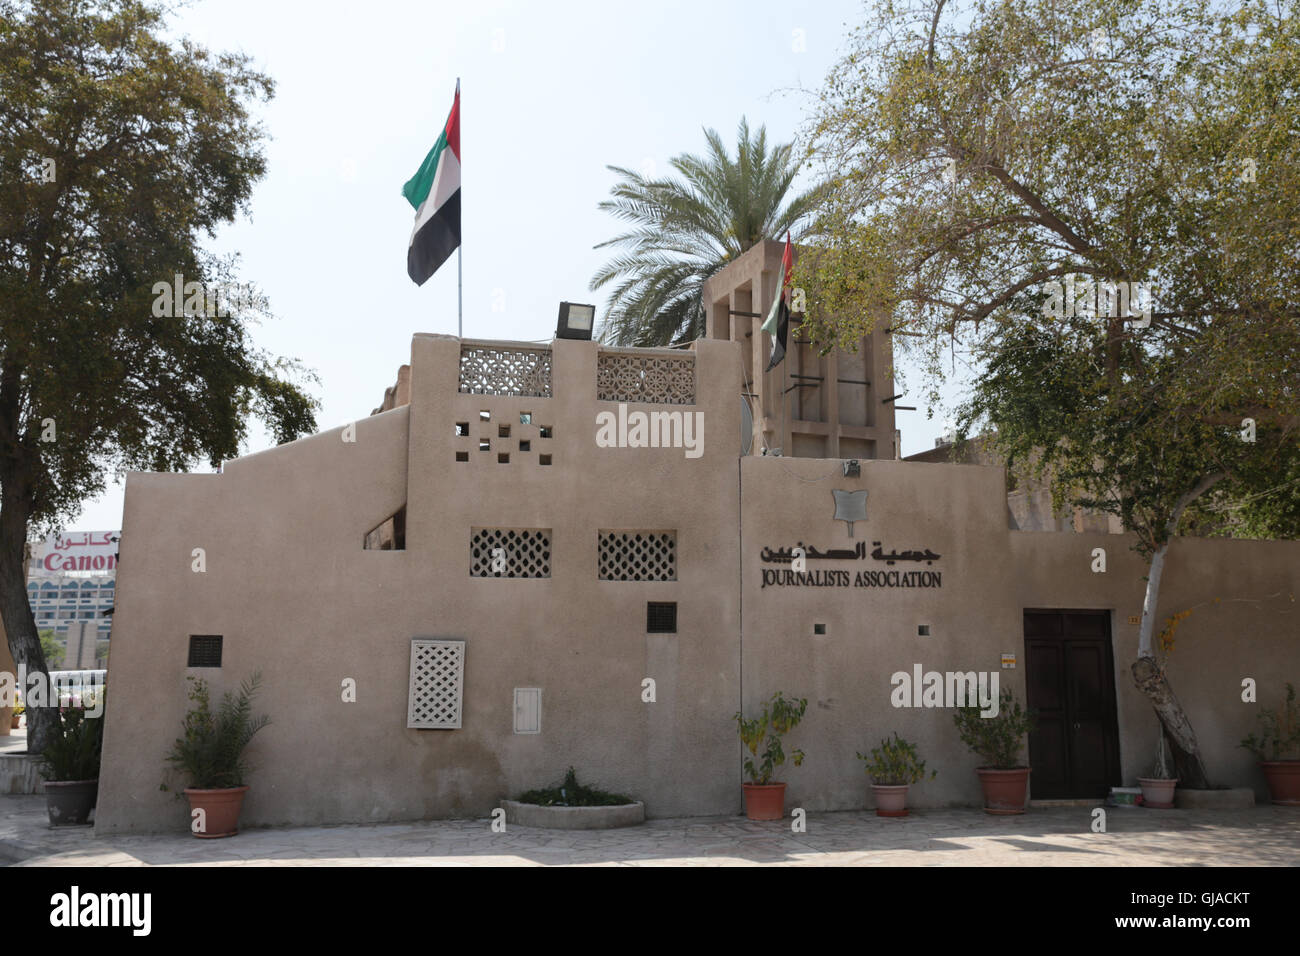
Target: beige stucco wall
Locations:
point(990, 577)
point(290, 588)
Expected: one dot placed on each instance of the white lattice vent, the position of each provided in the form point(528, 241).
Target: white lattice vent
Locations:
point(638, 556)
point(510, 553)
point(437, 677)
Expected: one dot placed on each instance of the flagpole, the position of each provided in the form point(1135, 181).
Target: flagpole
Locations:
point(460, 295)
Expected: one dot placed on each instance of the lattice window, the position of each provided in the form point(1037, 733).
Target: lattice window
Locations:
point(437, 678)
point(510, 553)
point(205, 650)
point(661, 617)
point(503, 371)
point(637, 377)
point(638, 556)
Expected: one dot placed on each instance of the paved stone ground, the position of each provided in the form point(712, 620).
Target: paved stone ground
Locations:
point(1055, 836)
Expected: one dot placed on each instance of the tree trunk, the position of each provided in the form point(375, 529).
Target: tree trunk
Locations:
point(1150, 676)
point(16, 612)
point(1151, 680)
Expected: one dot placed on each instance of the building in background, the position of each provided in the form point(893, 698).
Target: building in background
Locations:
point(71, 584)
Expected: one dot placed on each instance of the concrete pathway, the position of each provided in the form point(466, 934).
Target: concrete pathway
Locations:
point(1055, 836)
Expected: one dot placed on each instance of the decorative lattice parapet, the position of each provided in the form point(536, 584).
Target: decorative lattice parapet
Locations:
point(437, 677)
point(497, 370)
point(640, 375)
point(510, 553)
point(638, 556)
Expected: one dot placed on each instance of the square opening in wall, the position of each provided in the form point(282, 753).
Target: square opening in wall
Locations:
point(545, 431)
point(503, 431)
point(484, 445)
point(661, 617)
point(525, 445)
point(525, 418)
point(462, 429)
point(485, 416)
point(923, 630)
point(462, 456)
point(205, 650)
point(503, 458)
point(819, 628)
point(543, 459)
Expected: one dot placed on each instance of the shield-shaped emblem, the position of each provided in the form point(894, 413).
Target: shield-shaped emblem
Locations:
point(850, 506)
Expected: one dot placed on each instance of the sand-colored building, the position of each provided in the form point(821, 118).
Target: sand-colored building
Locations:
point(522, 537)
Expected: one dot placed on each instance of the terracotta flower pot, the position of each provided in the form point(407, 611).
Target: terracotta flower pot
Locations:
point(891, 800)
point(69, 802)
point(1157, 794)
point(1005, 791)
point(765, 801)
point(1283, 781)
point(220, 811)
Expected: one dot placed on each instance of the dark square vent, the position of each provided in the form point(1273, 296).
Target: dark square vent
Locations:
point(661, 617)
point(205, 650)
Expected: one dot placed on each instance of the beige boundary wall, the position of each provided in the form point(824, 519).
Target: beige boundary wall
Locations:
point(293, 594)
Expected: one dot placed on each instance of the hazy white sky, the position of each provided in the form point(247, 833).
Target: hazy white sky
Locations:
point(550, 94)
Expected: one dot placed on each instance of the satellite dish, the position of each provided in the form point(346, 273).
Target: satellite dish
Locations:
point(746, 427)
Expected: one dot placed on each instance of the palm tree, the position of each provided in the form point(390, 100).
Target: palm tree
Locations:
point(685, 230)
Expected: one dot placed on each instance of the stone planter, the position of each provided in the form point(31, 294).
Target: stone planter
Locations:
point(891, 800)
point(69, 802)
point(1283, 781)
point(1157, 794)
point(1005, 791)
point(19, 772)
point(574, 818)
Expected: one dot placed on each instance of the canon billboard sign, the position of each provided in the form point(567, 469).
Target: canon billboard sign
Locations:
point(84, 552)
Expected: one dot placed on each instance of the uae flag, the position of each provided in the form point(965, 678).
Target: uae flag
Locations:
point(778, 320)
point(434, 191)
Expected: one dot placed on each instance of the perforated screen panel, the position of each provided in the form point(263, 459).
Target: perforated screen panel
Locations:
point(638, 556)
point(510, 553)
point(437, 677)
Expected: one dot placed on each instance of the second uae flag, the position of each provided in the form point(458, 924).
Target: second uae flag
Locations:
point(434, 191)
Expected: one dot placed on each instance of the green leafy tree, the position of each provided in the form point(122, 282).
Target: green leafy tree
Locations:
point(52, 650)
point(119, 152)
point(1137, 445)
point(683, 230)
point(976, 153)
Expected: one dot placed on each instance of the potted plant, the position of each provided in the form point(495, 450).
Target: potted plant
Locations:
point(210, 753)
point(17, 716)
point(1278, 749)
point(765, 799)
point(70, 766)
point(1158, 789)
point(893, 767)
point(997, 741)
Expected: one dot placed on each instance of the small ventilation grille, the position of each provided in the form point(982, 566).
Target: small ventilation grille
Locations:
point(437, 676)
point(510, 553)
point(205, 650)
point(661, 617)
point(638, 556)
